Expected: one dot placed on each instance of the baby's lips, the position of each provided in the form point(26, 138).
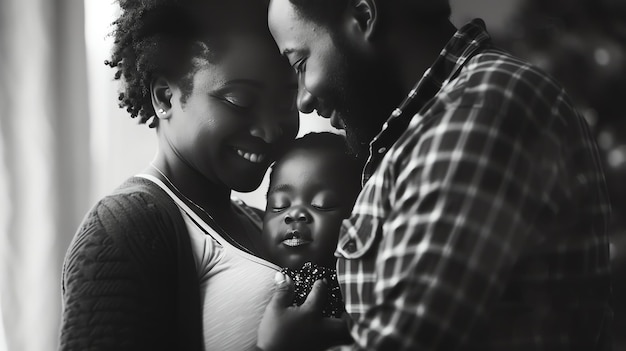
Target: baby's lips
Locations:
point(295, 242)
point(291, 233)
point(302, 232)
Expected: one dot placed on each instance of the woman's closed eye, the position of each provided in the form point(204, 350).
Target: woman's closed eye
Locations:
point(239, 100)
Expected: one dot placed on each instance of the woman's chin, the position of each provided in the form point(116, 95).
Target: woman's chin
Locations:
point(245, 185)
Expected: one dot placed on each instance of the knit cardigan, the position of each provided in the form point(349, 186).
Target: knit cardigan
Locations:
point(129, 277)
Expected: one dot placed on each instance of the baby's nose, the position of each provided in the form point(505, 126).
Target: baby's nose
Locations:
point(298, 215)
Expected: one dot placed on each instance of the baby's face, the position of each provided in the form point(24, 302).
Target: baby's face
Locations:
point(306, 203)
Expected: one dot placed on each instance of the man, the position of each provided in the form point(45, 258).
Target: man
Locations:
point(482, 220)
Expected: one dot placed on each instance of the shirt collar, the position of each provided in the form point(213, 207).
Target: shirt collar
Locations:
point(466, 42)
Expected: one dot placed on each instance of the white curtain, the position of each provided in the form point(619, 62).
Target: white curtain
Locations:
point(44, 169)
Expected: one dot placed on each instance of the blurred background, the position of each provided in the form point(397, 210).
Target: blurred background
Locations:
point(64, 143)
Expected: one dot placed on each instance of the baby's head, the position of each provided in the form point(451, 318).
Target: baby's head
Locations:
point(313, 186)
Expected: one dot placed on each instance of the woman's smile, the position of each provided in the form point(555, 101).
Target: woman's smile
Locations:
point(251, 156)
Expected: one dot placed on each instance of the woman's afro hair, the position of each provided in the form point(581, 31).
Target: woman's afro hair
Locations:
point(155, 37)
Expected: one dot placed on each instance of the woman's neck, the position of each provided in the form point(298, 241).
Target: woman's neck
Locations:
point(191, 184)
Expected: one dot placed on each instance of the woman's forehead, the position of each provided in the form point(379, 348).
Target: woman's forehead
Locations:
point(251, 56)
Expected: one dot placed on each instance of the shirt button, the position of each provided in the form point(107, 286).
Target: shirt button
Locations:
point(382, 150)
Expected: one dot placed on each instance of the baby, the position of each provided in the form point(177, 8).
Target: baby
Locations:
point(313, 187)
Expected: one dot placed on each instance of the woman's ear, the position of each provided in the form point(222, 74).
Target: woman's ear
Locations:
point(161, 94)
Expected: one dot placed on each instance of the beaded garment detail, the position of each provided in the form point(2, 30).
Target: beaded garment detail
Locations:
point(303, 280)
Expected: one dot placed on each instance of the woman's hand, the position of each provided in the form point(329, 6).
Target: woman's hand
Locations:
point(286, 327)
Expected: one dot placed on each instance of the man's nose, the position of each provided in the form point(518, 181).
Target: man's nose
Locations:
point(306, 101)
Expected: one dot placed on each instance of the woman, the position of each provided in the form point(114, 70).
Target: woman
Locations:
point(168, 261)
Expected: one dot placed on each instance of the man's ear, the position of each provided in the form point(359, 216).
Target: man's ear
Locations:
point(161, 94)
point(363, 18)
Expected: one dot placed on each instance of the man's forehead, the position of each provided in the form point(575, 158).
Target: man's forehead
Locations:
point(284, 14)
point(280, 10)
point(286, 26)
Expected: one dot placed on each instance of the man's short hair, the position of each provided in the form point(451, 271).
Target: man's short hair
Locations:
point(327, 12)
point(324, 12)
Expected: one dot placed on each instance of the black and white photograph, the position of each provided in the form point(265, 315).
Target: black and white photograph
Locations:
point(312, 175)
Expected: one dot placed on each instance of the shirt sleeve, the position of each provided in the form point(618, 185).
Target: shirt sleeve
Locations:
point(465, 198)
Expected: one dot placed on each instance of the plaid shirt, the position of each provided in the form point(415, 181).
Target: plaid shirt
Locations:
point(482, 221)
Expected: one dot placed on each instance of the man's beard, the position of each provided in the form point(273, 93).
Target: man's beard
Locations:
point(365, 98)
point(358, 139)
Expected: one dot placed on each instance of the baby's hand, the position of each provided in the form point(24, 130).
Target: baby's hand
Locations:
point(304, 278)
point(287, 327)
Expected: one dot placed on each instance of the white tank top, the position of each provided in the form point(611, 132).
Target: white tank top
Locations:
point(235, 286)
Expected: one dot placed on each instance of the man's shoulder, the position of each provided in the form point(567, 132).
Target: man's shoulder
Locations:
point(500, 69)
point(492, 58)
point(494, 91)
point(494, 79)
